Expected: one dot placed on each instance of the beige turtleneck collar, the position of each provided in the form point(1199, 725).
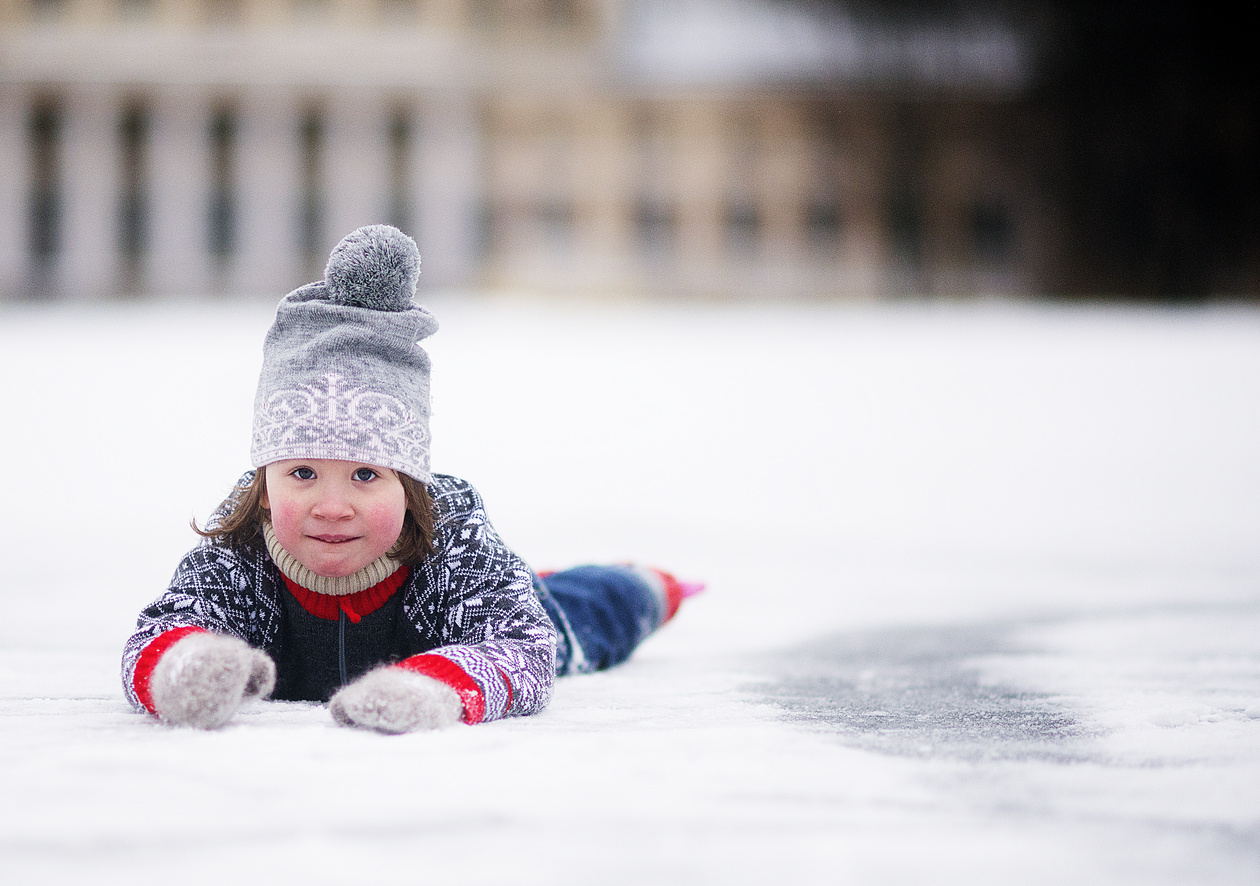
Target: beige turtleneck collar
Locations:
point(372, 574)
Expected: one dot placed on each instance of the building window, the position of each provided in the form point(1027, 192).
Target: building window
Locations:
point(655, 219)
point(137, 10)
point(48, 10)
point(745, 158)
point(553, 178)
point(556, 220)
point(398, 11)
point(992, 233)
point(401, 140)
point(743, 227)
point(656, 228)
point(485, 14)
point(487, 229)
point(133, 228)
point(223, 12)
point(824, 223)
point(222, 227)
point(824, 217)
point(905, 231)
point(45, 196)
point(311, 141)
point(311, 10)
point(560, 14)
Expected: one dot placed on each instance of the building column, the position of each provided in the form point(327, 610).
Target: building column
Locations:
point(448, 202)
point(178, 261)
point(699, 173)
point(356, 164)
point(783, 192)
point(89, 261)
point(267, 257)
point(603, 167)
point(866, 256)
point(15, 193)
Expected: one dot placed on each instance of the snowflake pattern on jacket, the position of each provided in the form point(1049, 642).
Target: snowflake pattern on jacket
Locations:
point(473, 599)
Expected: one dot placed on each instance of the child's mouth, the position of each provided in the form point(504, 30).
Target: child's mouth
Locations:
point(334, 539)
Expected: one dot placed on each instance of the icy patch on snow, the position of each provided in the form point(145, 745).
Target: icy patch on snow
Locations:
point(1134, 722)
point(1162, 687)
point(916, 692)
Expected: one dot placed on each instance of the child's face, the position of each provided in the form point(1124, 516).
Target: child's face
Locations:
point(334, 516)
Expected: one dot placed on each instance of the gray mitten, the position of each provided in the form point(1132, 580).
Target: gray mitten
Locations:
point(394, 700)
point(203, 678)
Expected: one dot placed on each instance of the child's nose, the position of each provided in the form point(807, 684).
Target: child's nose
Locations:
point(333, 503)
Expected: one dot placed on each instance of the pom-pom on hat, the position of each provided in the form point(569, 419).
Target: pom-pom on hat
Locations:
point(342, 375)
point(374, 267)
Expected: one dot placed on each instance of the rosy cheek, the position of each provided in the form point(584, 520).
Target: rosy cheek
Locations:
point(387, 521)
point(285, 519)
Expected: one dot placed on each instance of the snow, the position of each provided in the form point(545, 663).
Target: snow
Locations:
point(983, 600)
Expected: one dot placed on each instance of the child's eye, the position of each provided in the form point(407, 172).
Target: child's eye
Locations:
point(303, 473)
point(364, 474)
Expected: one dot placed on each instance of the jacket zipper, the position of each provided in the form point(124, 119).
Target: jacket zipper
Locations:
point(341, 646)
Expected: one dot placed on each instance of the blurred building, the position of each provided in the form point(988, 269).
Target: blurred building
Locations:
point(742, 148)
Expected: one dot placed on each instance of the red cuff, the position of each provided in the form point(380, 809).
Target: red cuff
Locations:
point(149, 658)
point(446, 671)
point(508, 683)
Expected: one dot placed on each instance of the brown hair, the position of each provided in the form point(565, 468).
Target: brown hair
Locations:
point(244, 513)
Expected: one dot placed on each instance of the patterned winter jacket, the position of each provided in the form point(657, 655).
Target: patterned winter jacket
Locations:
point(468, 615)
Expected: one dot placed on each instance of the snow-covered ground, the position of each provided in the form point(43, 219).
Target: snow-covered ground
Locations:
point(984, 601)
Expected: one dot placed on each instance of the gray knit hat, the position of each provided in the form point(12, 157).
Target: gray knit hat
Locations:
point(342, 375)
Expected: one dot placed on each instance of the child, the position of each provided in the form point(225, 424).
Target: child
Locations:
point(342, 570)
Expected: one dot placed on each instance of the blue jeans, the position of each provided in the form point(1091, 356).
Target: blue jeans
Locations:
point(601, 613)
